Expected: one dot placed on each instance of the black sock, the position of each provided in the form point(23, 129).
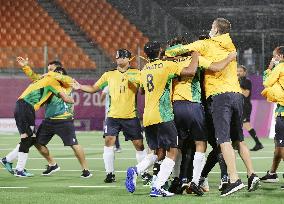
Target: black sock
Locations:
point(212, 159)
point(156, 168)
point(223, 165)
point(253, 135)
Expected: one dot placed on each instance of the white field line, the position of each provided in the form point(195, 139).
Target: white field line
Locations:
point(68, 148)
point(123, 171)
point(96, 186)
point(11, 187)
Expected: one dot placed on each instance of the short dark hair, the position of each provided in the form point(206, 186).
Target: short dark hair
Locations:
point(123, 53)
point(56, 63)
point(177, 40)
point(152, 49)
point(279, 50)
point(223, 25)
point(60, 70)
point(243, 67)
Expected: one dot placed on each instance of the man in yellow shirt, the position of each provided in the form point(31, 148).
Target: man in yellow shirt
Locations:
point(122, 114)
point(158, 119)
point(35, 95)
point(223, 93)
point(275, 75)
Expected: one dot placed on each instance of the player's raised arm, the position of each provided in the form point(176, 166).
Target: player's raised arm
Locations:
point(190, 70)
point(24, 63)
point(86, 88)
point(222, 64)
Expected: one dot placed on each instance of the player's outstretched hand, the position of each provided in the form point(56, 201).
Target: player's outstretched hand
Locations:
point(22, 62)
point(76, 85)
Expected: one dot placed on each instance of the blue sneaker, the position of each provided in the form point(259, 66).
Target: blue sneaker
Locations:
point(160, 193)
point(131, 176)
point(7, 165)
point(23, 173)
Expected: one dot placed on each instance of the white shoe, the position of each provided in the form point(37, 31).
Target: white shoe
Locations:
point(204, 185)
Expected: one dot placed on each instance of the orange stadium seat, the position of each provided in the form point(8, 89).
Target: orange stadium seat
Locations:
point(104, 25)
point(26, 28)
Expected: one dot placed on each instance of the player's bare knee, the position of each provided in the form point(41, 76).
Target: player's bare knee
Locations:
point(109, 141)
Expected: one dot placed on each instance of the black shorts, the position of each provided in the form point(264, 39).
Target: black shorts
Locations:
point(247, 112)
point(25, 117)
point(209, 123)
point(162, 135)
point(227, 111)
point(131, 128)
point(63, 128)
point(190, 119)
point(279, 132)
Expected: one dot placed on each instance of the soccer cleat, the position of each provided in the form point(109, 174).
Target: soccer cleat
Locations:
point(146, 178)
point(131, 176)
point(270, 178)
point(195, 189)
point(86, 174)
point(282, 187)
point(160, 193)
point(110, 178)
point(7, 165)
point(204, 185)
point(232, 188)
point(50, 170)
point(257, 147)
point(185, 186)
point(223, 183)
point(175, 186)
point(23, 173)
point(253, 182)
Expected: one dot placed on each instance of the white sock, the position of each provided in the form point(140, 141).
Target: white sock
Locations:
point(22, 160)
point(109, 159)
point(13, 154)
point(164, 173)
point(140, 155)
point(176, 169)
point(146, 163)
point(198, 164)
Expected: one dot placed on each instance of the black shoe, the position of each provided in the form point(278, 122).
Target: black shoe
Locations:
point(86, 174)
point(50, 170)
point(270, 178)
point(282, 187)
point(110, 178)
point(233, 187)
point(253, 182)
point(146, 178)
point(224, 183)
point(184, 186)
point(175, 186)
point(257, 147)
point(195, 189)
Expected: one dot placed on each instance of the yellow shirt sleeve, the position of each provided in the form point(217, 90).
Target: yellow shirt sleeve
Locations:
point(203, 62)
point(174, 69)
point(103, 81)
point(55, 87)
point(134, 77)
point(64, 79)
point(273, 77)
point(30, 73)
point(199, 46)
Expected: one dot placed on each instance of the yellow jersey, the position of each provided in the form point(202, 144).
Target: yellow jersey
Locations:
point(274, 84)
point(214, 49)
point(122, 93)
point(55, 107)
point(39, 91)
point(188, 88)
point(156, 79)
